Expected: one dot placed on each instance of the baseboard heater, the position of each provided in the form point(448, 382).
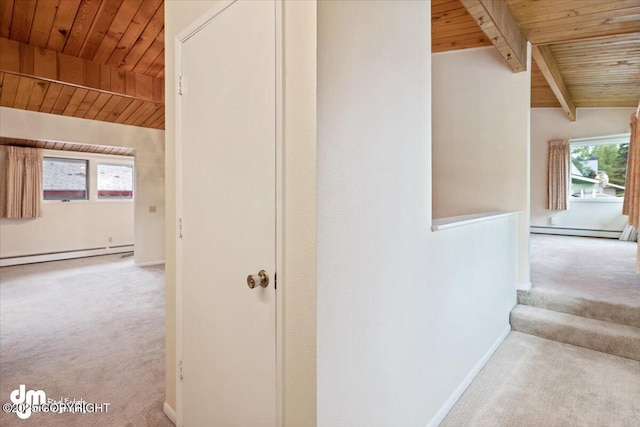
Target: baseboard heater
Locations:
point(585, 232)
point(57, 256)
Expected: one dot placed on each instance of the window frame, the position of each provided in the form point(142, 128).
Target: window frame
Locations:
point(93, 159)
point(617, 139)
point(116, 163)
point(71, 159)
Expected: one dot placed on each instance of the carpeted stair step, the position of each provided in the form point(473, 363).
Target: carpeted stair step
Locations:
point(581, 306)
point(607, 337)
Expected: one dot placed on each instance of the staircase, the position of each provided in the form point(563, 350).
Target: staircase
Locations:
point(597, 325)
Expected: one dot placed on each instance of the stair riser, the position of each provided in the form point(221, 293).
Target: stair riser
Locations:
point(624, 345)
point(621, 314)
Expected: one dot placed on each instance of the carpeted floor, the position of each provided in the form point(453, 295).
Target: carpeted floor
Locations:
point(585, 291)
point(533, 382)
point(89, 329)
point(598, 269)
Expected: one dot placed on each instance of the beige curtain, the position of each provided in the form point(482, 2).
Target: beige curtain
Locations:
point(631, 204)
point(559, 175)
point(23, 183)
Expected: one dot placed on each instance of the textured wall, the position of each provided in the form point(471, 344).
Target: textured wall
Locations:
point(149, 158)
point(404, 313)
point(551, 123)
point(72, 226)
point(481, 139)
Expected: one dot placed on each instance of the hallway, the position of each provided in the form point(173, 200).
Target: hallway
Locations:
point(532, 382)
point(561, 364)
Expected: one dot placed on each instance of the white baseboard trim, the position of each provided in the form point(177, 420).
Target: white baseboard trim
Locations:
point(148, 263)
point(444, 410)
point(58, 256)
point(609, 234)
point(169, 412)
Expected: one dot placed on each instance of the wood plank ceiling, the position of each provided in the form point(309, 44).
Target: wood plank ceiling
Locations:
point(68, 146)
point(594, 43)
point(452, 28)
point(94, 59)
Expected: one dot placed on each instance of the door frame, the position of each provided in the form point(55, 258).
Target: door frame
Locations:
point(180, 39)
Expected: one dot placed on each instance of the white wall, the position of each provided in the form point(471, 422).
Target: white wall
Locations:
point(404, 314)
point(299, 198)
point(149, 158)
point(481, 139)
point(551, 123)
point(72, 226)
point(584, 215)
point(298, 280)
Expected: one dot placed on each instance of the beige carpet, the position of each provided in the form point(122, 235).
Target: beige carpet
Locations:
point(89, 329)
point(585, 276)
point(607, 337)
point(534, 382)
point(600, 269)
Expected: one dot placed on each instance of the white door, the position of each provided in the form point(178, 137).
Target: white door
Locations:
point(226, 185)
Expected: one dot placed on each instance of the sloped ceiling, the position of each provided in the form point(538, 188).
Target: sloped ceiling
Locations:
point(595, 44)
point(95, 59)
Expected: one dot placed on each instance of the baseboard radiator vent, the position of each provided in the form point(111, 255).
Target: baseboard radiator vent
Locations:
point(629, 234)
point(57, 256)
point(585, 232)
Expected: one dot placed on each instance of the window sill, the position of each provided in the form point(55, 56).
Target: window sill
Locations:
point(596, 200)
point(84, 202)
point(458, 221)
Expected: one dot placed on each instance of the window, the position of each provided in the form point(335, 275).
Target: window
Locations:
point(115, 181)
point(87, 178)
point(599, 167)
point(65, 179)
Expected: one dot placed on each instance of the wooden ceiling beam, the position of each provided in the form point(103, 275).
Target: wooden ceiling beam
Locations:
point(30, 61)
point(544, 58)
point(496, 21)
